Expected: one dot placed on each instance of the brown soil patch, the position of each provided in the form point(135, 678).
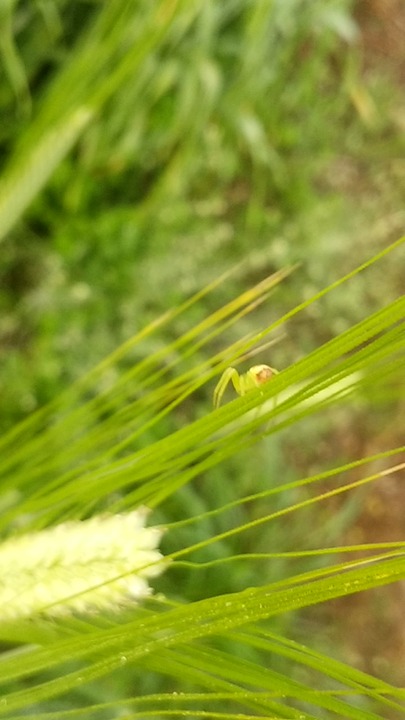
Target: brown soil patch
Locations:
point(382, 25)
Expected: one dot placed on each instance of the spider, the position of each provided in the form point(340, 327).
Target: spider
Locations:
point(256, 376)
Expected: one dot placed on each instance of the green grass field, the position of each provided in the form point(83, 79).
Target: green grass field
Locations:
point(189, 185)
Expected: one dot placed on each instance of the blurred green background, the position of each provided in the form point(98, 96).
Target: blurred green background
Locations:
point(269, 132)
point(266, 131)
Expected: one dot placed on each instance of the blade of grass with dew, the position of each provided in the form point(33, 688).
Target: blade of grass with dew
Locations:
point(216, 616)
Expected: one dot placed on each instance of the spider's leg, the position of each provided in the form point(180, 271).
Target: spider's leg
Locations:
point(229, 374)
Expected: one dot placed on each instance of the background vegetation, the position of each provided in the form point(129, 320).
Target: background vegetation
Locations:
point(148, 148)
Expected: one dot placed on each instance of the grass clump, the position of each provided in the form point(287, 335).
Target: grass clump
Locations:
point(92, 453)
point(149, 147)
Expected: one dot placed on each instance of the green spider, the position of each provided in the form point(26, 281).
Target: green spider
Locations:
point(256, 376)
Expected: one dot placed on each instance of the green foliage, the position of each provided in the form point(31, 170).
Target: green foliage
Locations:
point(89, 450)
point(120, 172)
point(149, 146)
